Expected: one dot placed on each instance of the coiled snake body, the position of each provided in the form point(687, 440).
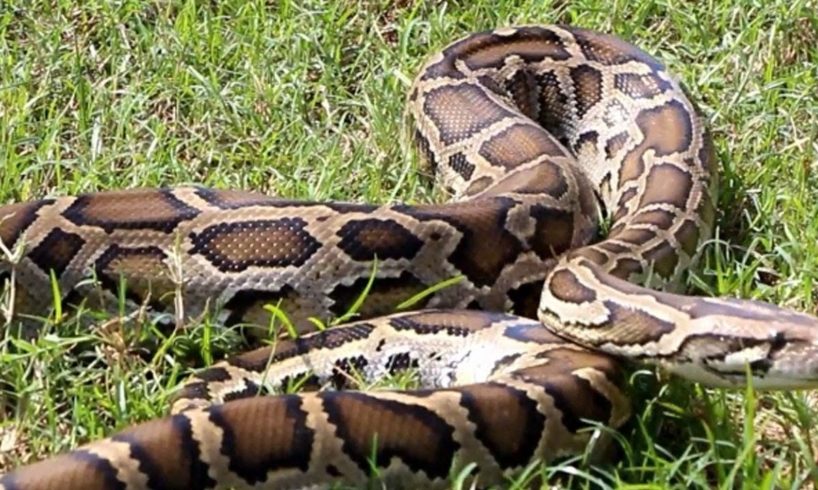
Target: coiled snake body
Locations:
point(530, 128)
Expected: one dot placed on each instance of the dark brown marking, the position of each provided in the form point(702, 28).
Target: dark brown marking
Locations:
point(16, 218)
point(460, 164)
point(635, 236)
point(260, 359)
point(579, 403)
point(587, 87)
point(565, 286)
point(347, 207)
point(214, 374)
point(491, 84)
point(626, 266)
point(130, 210)
point(710, 350)
point(612, 247)
point(573, 396)
point(504, 362)
point(610, 50)
point(525, 298)
point(529, 43)
point(250, 390)
point(481, 260)
point(400, 362)
point(593, 254)
point(346, 371)
point(667, 184)
point(553, 232)
point(666, 129)
point(365, 239)
point(192, 390)
point(487, 49)
point(617, 227)
point(640, 86)
point(518, 144)
point(616, 143)
point(143, 268)
point(659, 218)
point(506, 421)
point(78, 469)
point(632, 166)
point(236, 246)
point(707, 153)
point(621, 212)
point(588, 139)
point(633, 326)
point(618, 282)
point(167, 453)
point(522, 87)
point(443, 68)
point(553, 103)
point(461, 111)
point(463, 324)
point(376, 430)
point(56, 251)
point(663, 258)
point(544, 178)
point(425, 150)
point(264, 434)
point(622, 205)
point(688, 236)
point(531, 331)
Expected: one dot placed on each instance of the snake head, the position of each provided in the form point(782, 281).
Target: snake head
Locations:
point(716, 342)
point(726, 340)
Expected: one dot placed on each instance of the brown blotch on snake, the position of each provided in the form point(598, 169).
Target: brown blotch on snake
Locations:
point(56, 251)
point(385, 239)
point(506, 421)
point(261, 243)
point(495, 389)
point(15, 218)
point(521, 143)
point(158, 210)
point(424, 441)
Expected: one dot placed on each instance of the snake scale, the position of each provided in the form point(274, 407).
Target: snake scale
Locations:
point(536, 131)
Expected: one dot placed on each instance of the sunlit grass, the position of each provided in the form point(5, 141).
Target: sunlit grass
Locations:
point(304, 100)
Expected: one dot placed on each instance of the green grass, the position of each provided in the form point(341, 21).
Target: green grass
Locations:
point(303, 99)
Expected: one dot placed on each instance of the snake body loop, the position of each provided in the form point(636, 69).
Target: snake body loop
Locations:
point(536, 131)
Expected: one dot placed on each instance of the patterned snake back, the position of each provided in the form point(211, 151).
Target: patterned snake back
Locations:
point(536, 132)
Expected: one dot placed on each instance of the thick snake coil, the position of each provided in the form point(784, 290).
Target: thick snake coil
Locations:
point(530, 128)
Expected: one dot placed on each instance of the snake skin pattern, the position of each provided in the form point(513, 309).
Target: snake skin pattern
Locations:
point(535, 131)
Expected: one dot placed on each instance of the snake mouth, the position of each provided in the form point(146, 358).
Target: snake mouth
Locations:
point(740, 377)
point(777, 350)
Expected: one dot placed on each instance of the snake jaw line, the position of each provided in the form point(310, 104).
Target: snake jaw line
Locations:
point(779, 351)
